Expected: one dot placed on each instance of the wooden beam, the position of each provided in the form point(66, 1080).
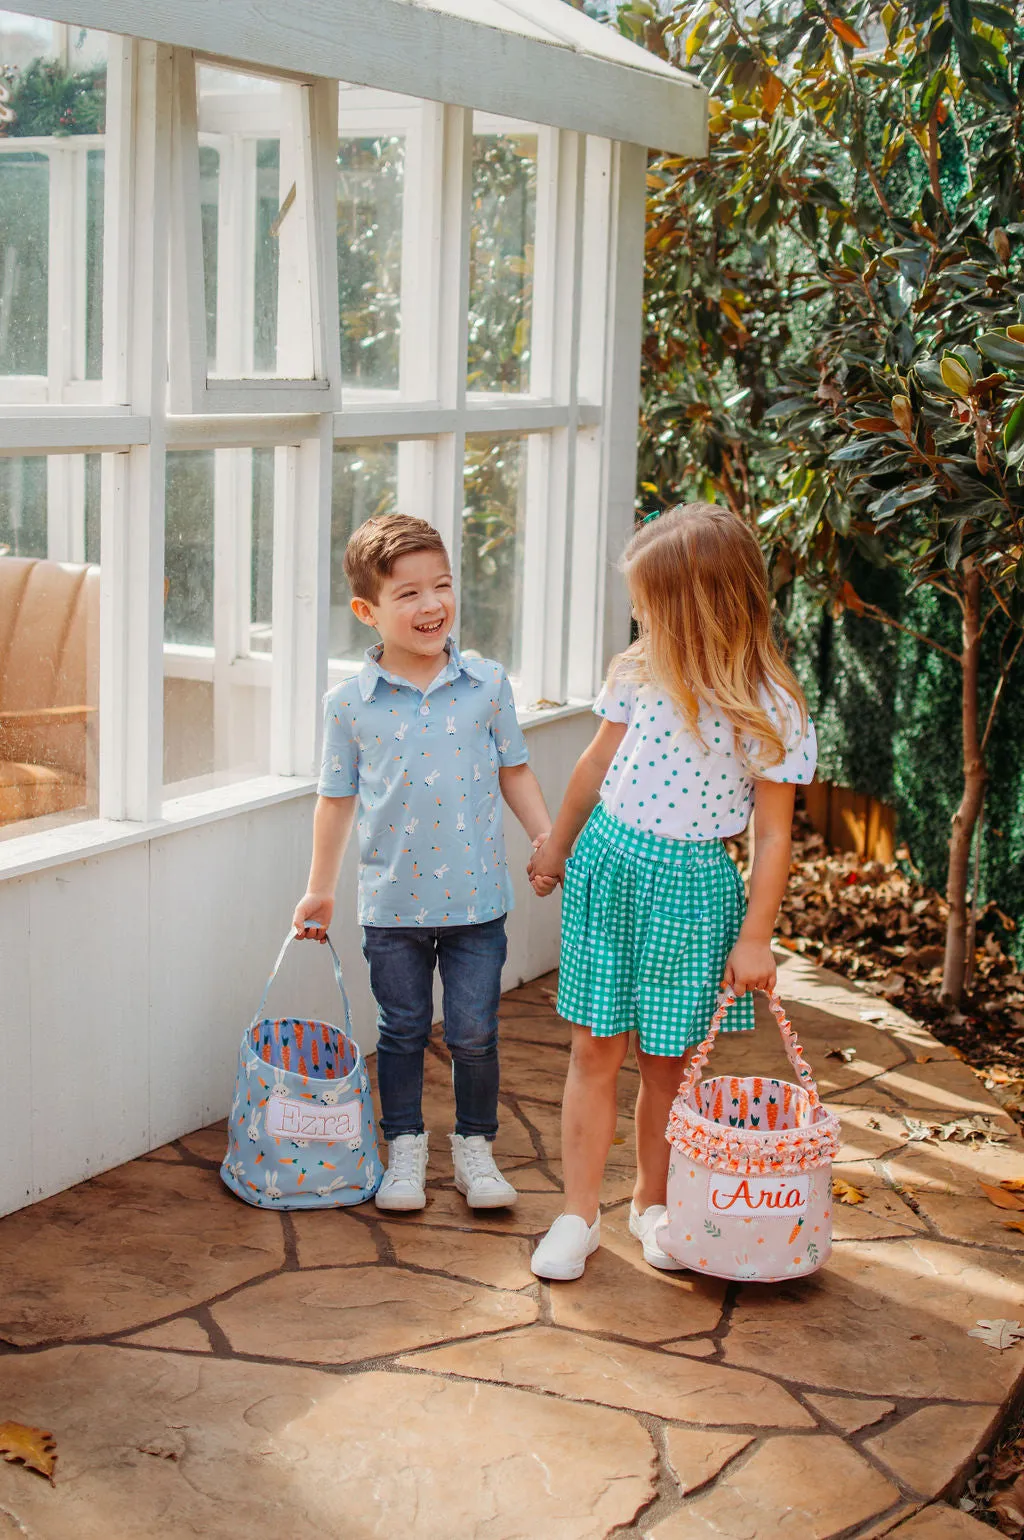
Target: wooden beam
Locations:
point(420, 51)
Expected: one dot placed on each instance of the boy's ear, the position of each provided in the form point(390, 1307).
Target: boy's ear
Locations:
point(363, 611)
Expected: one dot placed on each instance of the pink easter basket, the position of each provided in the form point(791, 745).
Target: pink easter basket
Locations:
point(750, 1174)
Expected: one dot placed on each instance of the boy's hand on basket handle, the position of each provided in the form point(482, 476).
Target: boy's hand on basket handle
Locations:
point(312, 916)
point(749, 966)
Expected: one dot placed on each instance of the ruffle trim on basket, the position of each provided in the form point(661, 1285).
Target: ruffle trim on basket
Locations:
point(751, 1152)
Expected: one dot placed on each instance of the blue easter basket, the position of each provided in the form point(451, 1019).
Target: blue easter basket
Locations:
point(301, 1131)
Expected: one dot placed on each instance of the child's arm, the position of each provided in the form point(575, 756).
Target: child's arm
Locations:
point(750, 964)
point(581, 794)
point(521, 790)
point(332, 825)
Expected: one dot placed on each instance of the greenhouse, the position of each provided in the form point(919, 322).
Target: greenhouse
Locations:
point(244, 305)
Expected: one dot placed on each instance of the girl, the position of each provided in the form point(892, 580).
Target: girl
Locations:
point(702, 722)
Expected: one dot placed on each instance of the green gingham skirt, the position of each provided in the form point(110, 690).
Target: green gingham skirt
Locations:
point(647, 925)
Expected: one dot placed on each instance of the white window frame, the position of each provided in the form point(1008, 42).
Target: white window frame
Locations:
point(579, 493)
point(311, 258)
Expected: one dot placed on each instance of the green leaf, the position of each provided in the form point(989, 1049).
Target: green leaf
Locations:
point(1002, 350)
point(932, 92)
point(994, 16)
point(1013, 432)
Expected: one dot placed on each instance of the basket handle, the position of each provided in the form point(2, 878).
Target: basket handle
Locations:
point(291, 936)
point(790, 1042)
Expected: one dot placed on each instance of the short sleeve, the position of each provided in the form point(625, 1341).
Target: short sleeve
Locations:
point(338, 769)
point(508, 735)
point(615, 702)
point(801, 759)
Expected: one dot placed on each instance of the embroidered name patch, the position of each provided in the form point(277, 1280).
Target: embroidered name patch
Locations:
point(308, 1120)
point(746, 1195)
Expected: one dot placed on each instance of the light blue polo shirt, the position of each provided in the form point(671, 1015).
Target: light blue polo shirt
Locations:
point(425, 764)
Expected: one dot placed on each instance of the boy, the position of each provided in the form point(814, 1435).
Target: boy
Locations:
point(423, 741)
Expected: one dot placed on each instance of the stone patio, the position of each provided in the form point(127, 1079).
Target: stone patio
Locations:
point(213, 1370)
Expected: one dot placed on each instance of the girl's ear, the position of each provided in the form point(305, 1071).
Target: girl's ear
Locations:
point(363, 611)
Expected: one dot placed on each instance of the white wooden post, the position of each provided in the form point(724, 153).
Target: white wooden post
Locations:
point(301, 601)
point(452, 211)
point(132, 496)
point(552, 456)
point(606, 478)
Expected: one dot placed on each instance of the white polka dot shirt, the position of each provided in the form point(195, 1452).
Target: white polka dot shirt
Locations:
point(665, 781)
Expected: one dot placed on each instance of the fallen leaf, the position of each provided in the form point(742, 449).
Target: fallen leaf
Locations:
point(32, 1446)
point(1000, 1198)
point(997, 1334)
point(964, 1130)
point(1008, 1507)
point(1014, 1224)
point(875, 1124)
point(846, 1192)
point(160, 1450)
point(847, 1055)
point(923, 1058)
point(1008, 1462)
point(1012, 1184)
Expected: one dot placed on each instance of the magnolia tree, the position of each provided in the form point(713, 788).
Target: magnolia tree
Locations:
point(836, 317)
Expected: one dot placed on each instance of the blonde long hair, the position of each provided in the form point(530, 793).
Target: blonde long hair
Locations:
point(699, 587)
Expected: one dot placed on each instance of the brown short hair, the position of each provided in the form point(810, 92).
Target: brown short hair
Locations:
point(376, 545)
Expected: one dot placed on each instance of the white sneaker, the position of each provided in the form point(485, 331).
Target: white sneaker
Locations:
point(476, 1175)
point(563, 1252)
point(643, 1226)
point(402, 1188)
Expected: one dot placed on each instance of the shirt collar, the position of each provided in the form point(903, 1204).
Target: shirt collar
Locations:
point(371, 670)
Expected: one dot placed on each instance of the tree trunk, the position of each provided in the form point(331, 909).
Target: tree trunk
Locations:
point(966, 816)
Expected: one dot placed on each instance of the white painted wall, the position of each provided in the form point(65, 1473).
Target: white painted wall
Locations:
point(127, 978)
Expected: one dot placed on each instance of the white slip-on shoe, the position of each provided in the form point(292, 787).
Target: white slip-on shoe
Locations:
point(402, 1188)
point(476, 1175)
point(562, 1254)
point(643, 1226)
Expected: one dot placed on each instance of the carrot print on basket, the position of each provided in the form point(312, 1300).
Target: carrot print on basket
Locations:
point(795, 1232)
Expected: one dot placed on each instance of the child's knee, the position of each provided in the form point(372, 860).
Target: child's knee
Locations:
point(598, 1057)
point(661, 1072)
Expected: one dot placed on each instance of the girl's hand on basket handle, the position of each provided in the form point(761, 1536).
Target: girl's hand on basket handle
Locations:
point(312, 916)
point(750, 965)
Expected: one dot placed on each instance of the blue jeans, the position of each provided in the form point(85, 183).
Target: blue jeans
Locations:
point(402, 961)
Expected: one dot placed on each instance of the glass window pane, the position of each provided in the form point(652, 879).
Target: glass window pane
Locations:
point(209, 213)
point(493, 529)
point(260, 632)
point(255, 257)
point(216, 694)
point(52, 92)
point(371, 174)
point(49, 642)
point(24, 261)
point(502, 234)
point(365, 483)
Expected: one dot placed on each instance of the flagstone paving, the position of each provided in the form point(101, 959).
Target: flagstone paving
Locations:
point(210, 1369)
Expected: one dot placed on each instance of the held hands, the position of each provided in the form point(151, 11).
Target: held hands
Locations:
point(547, 868)
point(312, 916)
point(749, 966)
